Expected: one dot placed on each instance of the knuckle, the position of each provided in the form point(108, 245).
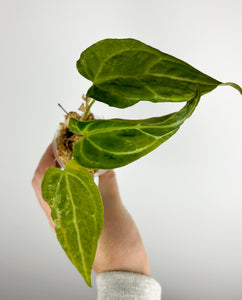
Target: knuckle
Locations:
point(110, 174)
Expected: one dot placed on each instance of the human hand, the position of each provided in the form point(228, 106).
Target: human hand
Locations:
point(120, 246)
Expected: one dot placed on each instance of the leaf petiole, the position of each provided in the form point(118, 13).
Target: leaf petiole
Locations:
point(87, 111)
point(70, 157)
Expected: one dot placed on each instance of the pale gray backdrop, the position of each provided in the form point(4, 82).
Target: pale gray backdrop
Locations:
point(185, 197)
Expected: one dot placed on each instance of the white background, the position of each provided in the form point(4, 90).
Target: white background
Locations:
point(185, 197)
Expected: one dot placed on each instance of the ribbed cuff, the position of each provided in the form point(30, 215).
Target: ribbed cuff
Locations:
point(127, 286)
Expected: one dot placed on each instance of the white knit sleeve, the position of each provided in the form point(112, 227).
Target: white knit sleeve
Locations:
point(127, 286)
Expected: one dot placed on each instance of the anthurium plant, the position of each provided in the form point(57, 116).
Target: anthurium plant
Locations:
point(123, 72)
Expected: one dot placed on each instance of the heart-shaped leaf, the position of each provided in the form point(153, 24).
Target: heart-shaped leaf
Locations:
point(108, 144)
point(125, 71)
point(77, 211)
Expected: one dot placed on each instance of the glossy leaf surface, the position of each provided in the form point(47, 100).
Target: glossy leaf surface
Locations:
point(77, 211)
point(125, 71)
point(108, 144)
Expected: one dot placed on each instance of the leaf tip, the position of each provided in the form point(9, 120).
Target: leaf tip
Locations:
point(87, 278)
point(234, 85)
point(88, 282)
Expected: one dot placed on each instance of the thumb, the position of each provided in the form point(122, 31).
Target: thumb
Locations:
point(108, 188)
point(47, 160)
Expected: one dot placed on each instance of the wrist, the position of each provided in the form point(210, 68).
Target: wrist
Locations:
point(133, 259)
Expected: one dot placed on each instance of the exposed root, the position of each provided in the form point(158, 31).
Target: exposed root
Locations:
point(66, 139)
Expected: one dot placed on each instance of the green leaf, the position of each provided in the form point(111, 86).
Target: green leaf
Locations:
point(108, 144)
point(77, 211)
point(125, 71)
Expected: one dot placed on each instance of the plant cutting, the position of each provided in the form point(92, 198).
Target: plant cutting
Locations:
point(123, 72)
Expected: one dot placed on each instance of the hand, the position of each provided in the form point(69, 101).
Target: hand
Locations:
point(120, 246)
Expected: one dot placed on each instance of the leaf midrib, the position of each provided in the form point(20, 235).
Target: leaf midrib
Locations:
point(130, 152)
point(82, 182)
point(168, 58)
point(59, 227)
point(76, 226)
point(159, 75)
point(92, 132)
point(136, 127)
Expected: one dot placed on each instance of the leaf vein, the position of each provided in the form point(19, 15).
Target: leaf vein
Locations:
point(79, 179)
point(167, 58)
point(128, 152)
point(59, 228)
point(137, 127)
point(159, 75)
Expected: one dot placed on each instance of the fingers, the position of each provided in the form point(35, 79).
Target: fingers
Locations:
point(47, 160)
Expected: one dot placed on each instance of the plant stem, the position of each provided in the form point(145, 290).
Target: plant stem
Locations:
point(87, 110)
point(70, 157)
